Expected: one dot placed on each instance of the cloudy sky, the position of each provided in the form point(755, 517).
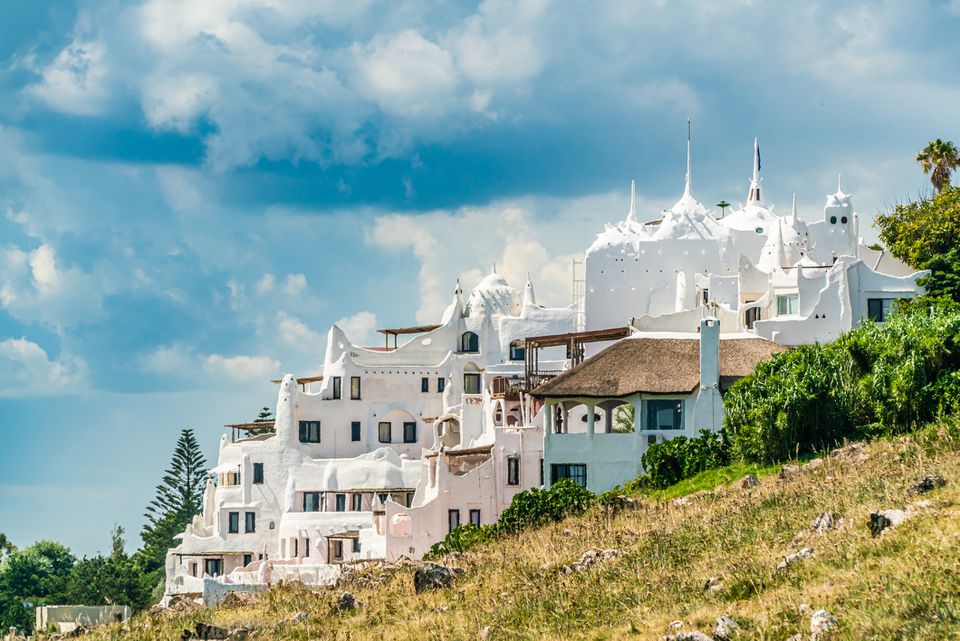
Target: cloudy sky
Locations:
point(191, 193)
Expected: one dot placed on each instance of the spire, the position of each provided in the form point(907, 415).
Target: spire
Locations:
point(840, 183)
point(755, 195)
point(494, 269)
point(632, 214)
point(688, 187)
point(793, 210)
point(529, 296)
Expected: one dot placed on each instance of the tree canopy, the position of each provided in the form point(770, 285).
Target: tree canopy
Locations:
point(939, 158)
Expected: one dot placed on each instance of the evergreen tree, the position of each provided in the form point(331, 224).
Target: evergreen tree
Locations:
point(939, 159)
point(265, 416)
point(179, 497)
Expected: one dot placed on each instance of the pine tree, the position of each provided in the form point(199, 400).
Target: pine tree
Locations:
point(265, 416)
point(179, 498)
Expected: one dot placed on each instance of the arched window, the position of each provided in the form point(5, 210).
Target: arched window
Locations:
point(469, 342)
point(517, 351)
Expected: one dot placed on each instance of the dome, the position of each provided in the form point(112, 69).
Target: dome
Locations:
point(493, 295)
point(491, 281)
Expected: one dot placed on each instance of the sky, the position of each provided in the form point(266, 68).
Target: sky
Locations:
point(191, 193)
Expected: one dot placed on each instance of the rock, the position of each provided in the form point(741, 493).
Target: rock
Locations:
point(825, 522)
point(928, 483)
point(917, 506)
point(297, 617)
point(567, 532)
point(883, 520)
point(789, 472)
point(432, 576)
point(725, 628)
point(713, 583)
point(485, 632)
point(619, 503)
point(207, 631)
point(589, 558)
point(186, 634)
point(347, 603)
point(852, 453)
point(675, 625)
point(688, 636)
point(804, 608)
point(749, 481)
point(821, 623)
point(683, 501)
point(796, 557)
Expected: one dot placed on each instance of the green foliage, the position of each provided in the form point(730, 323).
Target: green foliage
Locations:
point(882, 378)
point(530, 508)
point(623, 418)
point(179, 497)
point(6, 547)
point(35, 575)
point(917, 231)
point(679, 458)
point(939, 158)
point(264, 416)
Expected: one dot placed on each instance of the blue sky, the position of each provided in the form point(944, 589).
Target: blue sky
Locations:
point(191, 193)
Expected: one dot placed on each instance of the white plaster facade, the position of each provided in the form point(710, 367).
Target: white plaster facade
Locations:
point(392, 447)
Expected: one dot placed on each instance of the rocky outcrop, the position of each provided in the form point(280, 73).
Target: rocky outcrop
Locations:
point(725, 629)
point(588, 559)
point(928, 483)
point(821, 624)
point(433, 576)
point(794, 558)
point(883, 520)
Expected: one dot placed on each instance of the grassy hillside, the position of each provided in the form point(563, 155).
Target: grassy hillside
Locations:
point(904, 584)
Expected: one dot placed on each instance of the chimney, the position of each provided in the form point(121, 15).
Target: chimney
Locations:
point(709, 352)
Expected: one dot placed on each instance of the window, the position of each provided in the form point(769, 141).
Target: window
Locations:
point(309, 431)
point(441, 384)
point(475, 518)
point(469, 342)
point(409, 432)
point(843, 219)
point(355, 388)
point(751, 316)
point(471, 383)
point(878, 309)
point(513, 470)
point(453, 519)
point(356, 502)
point(541, 472)
point(296, 548)
point(306, 546)
point(193, 568)
point(257, 473)
point(311, 501)
point(213, 567)
point(356, 546)
point(383, 431)
point(664, 414)
point(788, 304)
point(336, 552)
point(425, 384)
point(247, 559)
point(833, 220)
point(706, 296)
point(576, 472)
point(341, 503)
point(337, 386)
point(517, 351)
point(233, 522)
point(409, 501)
point(355, 431)
point(250, 522)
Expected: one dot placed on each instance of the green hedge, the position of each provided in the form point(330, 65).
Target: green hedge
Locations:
point(681, 457)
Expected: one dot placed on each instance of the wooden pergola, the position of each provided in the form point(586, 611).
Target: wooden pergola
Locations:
point(573, 341)
point(400, 331)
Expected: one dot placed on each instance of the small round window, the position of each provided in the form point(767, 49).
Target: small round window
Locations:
point(759, 230)
point(843, 220)
point(833, 220)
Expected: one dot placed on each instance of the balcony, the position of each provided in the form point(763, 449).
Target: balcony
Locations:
point(505, 389)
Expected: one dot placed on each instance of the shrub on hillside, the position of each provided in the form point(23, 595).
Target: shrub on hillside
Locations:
point(529, 508)
point(679, 458)
point(881, 378)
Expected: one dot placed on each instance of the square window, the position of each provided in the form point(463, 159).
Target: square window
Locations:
point(311, 501)
point(336, 550)
point(356, 502)
point(425, 384)
point(257, 473)
point(409, 432)
point(475, 518)
point(576, 472)
point(383, 432)
point(355, 388)
point(788, 305)
point(250, 522)
point(337, 387)
point(664, 414)
point(213, 567)
point(513, 470)
point(441, 384)
point(247, 559)
point(355, 431)
point(453, 519)
point(471, 383)
point(233, 522)
point(309, 431)
point(878, 309)
point(356, 546)
point(517, 351)
point(341, 502)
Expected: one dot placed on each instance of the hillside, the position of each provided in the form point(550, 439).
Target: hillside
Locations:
point(903, 584)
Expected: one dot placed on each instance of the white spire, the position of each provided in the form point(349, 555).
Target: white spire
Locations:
point(840, 184)
point(688, 187)
point(529, 296)
point(632, 214)
point(793, 210)
point(755, 194)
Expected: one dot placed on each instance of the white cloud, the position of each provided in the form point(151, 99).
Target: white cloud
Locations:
point(266, 284)
point(294, 284)
point(359, 327)
point(293, 332)
point(241, 368)
point(183, 362)
point(27, 370)
point(76, 81)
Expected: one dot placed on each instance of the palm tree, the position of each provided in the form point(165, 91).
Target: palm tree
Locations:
point(723, 206)
point(938, 159)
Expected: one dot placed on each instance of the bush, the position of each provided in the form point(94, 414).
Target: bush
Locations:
point(529, 508)
point(680, 458)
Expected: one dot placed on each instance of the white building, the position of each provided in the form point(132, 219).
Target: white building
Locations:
point(388, 450)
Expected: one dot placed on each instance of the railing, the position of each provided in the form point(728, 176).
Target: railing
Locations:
point(538, 377)
point(505, 389)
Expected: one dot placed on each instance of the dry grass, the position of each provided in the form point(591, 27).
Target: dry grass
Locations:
point(902, 585)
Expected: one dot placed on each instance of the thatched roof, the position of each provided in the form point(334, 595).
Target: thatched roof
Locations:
point(655, 366)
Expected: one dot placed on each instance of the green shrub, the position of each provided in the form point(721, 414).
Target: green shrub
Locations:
point(529, 508)
point(680, 458)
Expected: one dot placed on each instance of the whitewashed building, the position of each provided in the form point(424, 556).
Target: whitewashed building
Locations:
point(390, 448)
